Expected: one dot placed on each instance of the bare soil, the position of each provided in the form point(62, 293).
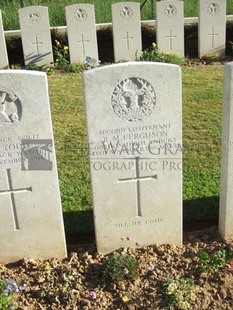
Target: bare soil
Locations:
point(66, 284)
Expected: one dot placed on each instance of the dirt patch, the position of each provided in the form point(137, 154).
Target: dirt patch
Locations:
point(66, 284)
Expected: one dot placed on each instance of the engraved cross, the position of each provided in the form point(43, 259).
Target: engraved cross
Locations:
point(213, 35)
point(37, 43)
point(171, 38)
point(127, 38)
point(138, 179)
point(83, 43)
point(10, 191)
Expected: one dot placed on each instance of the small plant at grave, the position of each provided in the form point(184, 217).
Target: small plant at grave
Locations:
point(154, 54)
point(118, 268)
point(8, 289)
point(180, 293)
point(210, 263)
point(34, 67)
point(61, 55)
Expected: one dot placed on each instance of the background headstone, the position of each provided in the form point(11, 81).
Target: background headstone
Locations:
point(212, 28)
point(31, 223)
point(35, 34)
point(170, 26)
point(126, 26)
point(3, 52)
point(226, 194)
point(81, 30)
point(135, 136)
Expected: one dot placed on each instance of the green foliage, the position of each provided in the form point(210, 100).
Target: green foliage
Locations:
point(180, 293)
point(8, 289)
point(154, 54)
point(118, 267)
point(61, 55)
point(210, 263)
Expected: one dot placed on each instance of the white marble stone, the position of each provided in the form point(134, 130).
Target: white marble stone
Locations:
point(134, 123)
point(3, 52)
point(35, 34)
point(170, 26)
point(31, 223)
point(81, 30)
point(212, 28)
point(226, 193)
point(126, 26)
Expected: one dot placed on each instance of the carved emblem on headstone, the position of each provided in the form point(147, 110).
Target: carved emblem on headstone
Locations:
point(10, 108)
point(133, 99)
point(126, 12)
point(170, 10)
point(213, 9)
point(34, 17)
point(80, 15)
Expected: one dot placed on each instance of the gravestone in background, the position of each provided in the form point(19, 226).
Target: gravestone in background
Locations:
point(212, 28)
point(31, 223)
point(134, 124)
point(226, 193)
point(170, 26)
point(81, 30)
point(126, 25)
point(3, 52)
point(35, 34)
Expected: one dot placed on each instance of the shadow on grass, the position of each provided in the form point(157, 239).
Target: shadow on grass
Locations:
point(198, 213)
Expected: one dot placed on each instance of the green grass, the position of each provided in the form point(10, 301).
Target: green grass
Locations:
point(202, 105)
point(102, 10)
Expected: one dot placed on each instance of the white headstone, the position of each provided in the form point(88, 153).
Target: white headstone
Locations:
point(3, 52)
point(35, 34)
point(226, 193)
point(31, 223)
point(170, 26)
point(135, 134)
point(81, 30)
point(126, 25)
point(212, 28)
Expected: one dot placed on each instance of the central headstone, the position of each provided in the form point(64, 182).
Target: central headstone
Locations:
point(31, 223)
point(170, 26)
point(126, 30)
point(81, 30)
point(135, 135)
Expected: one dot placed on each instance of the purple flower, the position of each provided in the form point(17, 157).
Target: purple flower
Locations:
point(93, 295)
point(128, 238)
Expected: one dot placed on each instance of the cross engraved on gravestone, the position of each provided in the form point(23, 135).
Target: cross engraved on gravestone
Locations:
point(126, 12)
point(34, 17)
point(213, 9)
point(37, 43)
point(127, 38)
point(170, 10)
point(82, 41)
point(10, 107)
point(80, 15)
point(133, 99)
point(171, 38)
point(213, 34)
point(11, 191)
point(138, 179)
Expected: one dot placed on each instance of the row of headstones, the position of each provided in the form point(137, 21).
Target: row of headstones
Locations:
point(81, 30)
point(135, 143)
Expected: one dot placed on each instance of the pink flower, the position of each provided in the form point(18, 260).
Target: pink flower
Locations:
point(128, 238)
point(231, 263)
point(92, 295)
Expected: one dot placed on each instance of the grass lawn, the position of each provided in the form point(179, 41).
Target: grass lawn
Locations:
point(202, 105)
